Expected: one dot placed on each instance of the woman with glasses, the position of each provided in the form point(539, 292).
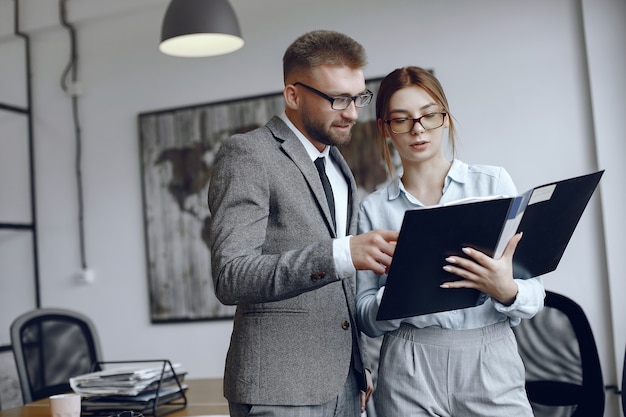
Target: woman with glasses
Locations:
point(453, 363)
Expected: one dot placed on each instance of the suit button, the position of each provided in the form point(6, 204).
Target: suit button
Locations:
point(345, 324)
point(316, 276)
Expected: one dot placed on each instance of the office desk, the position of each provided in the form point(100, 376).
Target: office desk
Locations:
point(204, 397)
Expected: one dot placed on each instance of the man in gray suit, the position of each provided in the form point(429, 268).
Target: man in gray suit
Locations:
point(283, 252)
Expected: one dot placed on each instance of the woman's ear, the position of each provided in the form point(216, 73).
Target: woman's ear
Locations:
point(382, 128)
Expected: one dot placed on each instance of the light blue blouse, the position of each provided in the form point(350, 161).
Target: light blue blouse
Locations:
point(384, 209)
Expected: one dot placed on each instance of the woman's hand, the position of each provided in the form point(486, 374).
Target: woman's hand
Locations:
point(491, 276)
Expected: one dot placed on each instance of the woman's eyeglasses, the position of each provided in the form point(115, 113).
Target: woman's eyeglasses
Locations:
point(406, 124)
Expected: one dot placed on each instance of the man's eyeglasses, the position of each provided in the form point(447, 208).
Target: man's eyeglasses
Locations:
point(342, 102)
point(406, 124)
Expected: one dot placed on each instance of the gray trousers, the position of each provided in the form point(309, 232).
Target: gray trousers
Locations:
point(451, 373)
point(346, 404)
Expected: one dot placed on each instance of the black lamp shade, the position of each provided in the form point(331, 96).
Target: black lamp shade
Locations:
point(197, 28)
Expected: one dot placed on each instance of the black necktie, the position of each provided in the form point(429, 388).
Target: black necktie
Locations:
point(319, 164)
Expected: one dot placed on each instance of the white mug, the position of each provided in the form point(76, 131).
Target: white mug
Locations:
point(65, 405)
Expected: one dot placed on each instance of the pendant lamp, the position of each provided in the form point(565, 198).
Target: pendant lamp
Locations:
point(200, 28)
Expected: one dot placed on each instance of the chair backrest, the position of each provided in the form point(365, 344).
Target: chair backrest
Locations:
point(50, 346)
point(563, 373)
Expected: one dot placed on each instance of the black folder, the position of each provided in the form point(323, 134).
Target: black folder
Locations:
point(547, 215)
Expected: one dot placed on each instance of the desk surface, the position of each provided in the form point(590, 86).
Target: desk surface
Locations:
point(204, 397)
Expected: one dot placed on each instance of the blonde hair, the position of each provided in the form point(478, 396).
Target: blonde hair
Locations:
point(323, 47)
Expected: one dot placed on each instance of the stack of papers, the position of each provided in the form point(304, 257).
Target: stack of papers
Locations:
point(130, 380)
point(137, 388)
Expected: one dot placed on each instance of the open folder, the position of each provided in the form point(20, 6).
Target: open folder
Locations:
point(547, 215)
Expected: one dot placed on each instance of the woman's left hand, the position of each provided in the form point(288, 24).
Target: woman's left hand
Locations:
point(491, 276)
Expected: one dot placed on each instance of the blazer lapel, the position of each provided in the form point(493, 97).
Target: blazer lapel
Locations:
point(295, 151)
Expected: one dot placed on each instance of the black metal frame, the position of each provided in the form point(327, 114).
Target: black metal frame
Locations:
point(27, 111)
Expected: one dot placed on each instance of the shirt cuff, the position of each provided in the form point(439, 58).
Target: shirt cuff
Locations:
point(521, 299)
point(343, 259)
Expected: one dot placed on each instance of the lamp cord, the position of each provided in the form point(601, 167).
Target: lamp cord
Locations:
point(72, 70)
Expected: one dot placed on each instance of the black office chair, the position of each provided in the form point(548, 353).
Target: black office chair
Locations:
point(563, 373)
point(50, 346)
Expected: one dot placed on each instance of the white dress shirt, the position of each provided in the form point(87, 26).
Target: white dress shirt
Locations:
point(341, 245)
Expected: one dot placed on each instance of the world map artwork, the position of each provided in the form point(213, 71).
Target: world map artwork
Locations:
point(177, 150)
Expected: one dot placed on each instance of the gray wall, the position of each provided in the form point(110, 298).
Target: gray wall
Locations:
point(535, 86)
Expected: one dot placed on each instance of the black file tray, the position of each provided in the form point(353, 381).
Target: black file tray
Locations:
point(159, 401)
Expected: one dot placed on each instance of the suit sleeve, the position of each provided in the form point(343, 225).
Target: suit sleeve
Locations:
point(265, 246)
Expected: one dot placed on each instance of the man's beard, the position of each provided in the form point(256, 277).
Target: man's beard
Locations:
point(320, 133)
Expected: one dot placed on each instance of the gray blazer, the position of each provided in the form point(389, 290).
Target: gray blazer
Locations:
point(271, 248)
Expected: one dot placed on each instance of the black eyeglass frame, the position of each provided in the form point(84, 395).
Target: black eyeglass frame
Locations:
point(418, 120)
point(367, 93)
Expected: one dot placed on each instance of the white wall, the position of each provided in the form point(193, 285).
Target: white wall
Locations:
point(535, 86)
point(605, 33)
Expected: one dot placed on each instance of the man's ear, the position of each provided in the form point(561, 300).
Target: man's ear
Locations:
point(292, 100)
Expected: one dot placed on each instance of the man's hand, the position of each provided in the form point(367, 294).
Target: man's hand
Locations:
point(365, 396)
point(373, 250)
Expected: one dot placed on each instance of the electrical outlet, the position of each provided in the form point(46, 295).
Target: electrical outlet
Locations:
point(86, 276)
